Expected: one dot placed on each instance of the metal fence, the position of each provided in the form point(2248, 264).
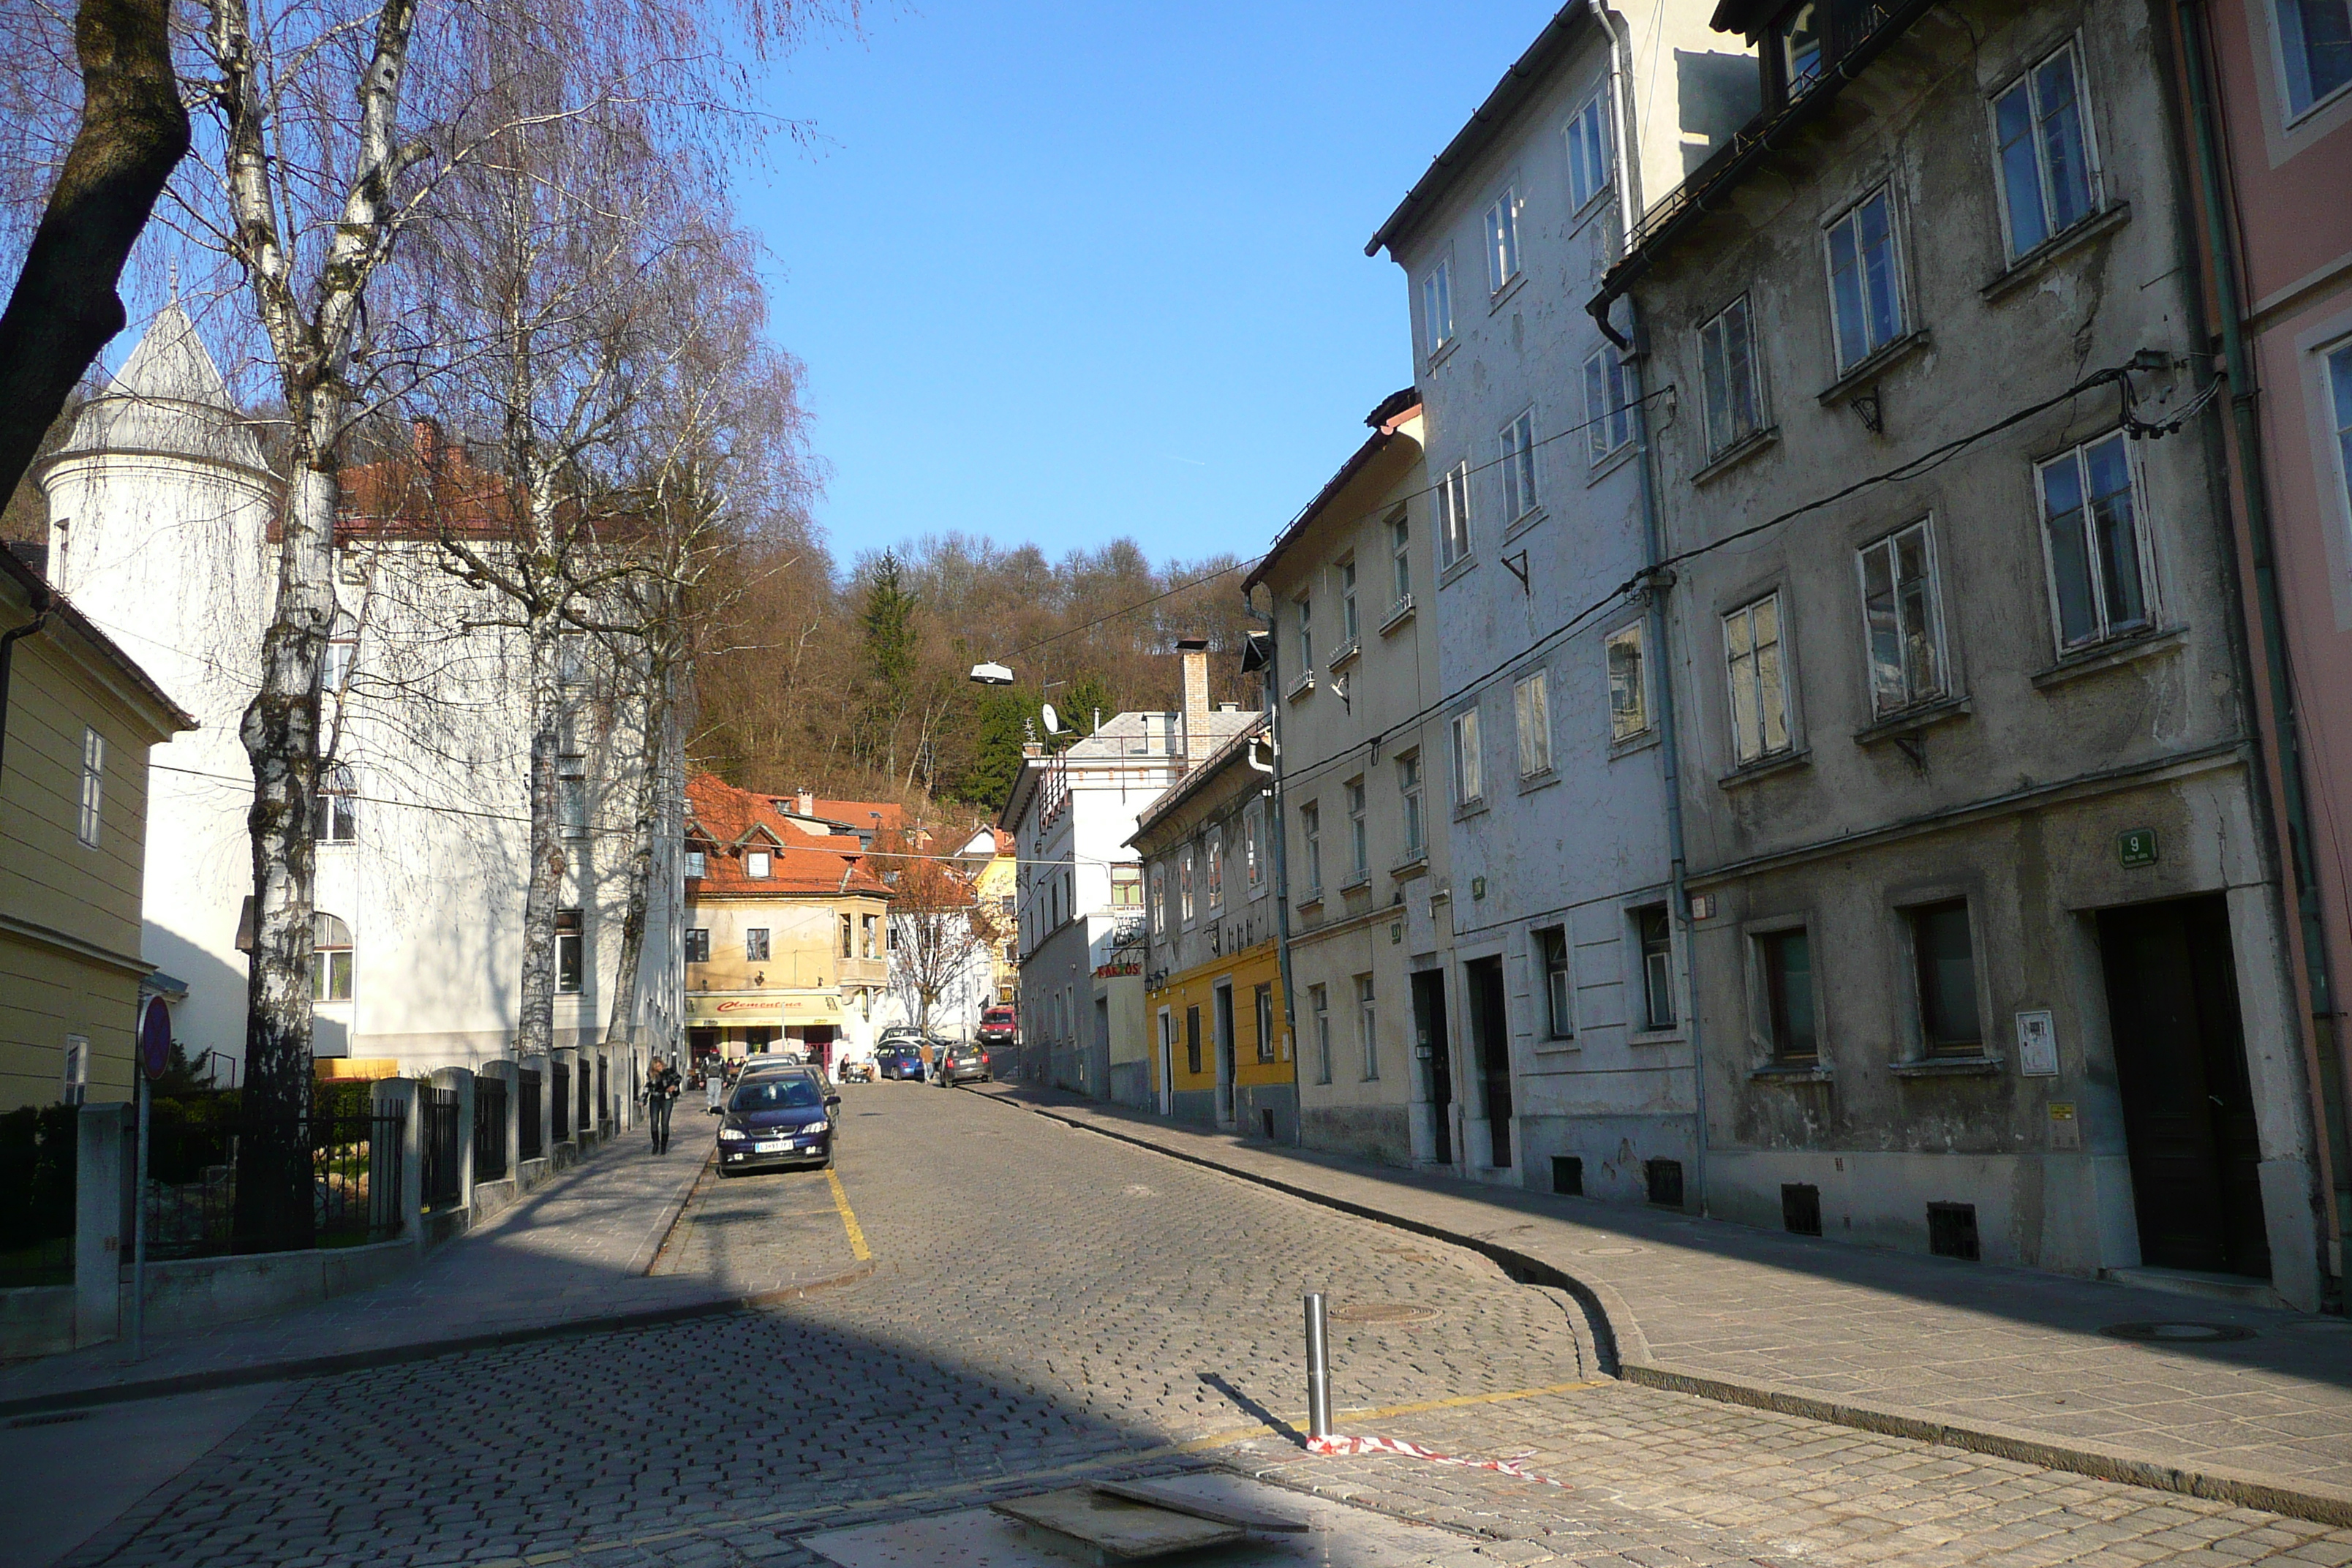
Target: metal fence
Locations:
point(603, 1092)
point(587, 1106)
point(197, 1147)
point(560, 1102)
point(526, 1106)
point(442, 1144)
point(489, 1128)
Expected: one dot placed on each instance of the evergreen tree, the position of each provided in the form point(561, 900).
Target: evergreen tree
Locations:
point(887, 621)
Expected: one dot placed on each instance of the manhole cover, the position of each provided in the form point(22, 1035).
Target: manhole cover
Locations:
point(1381, 1313)
point(2177, 1333)
point(1612, 1251)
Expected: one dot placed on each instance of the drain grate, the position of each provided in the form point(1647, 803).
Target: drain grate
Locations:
point(56, 1418)
point(2177, 1333)
point(1381, 1313)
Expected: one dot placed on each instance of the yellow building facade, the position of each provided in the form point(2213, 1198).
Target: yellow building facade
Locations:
point(76, 718)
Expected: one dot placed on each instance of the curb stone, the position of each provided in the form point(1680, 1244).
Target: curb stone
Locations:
point(1623, 1353)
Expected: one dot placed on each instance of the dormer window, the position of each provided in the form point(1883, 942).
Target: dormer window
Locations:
point(698, 864)
point(755, 865)
point(1801, 47)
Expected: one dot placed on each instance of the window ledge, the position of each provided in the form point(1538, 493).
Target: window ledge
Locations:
point(2114, 654)
point(1531, 782)
point(1356, 881)
point(1511, 286)
point(1398, 613)
point(1610, 462)
point(1913, 719)
point(1300, 687)
point(1653, 1036)
point(1765, 767)
point(1791, 1072)
point(1885, 358)
point(1445, 350)
point(1738, 452)
point(1527, 520)
point(1412, 863)
point(2039, 259)
point(1641, 741)
point(1556, 1046)
point(1458, 569)
point(1948, 1067)
point(1469, 809)
point(1345, 655)
point(1312, 899)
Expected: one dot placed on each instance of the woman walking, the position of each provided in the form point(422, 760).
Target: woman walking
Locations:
point(661, 1091)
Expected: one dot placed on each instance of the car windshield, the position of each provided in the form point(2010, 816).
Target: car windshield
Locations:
point(780, 1093)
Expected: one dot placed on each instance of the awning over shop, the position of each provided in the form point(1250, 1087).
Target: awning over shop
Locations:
point(762, 1009)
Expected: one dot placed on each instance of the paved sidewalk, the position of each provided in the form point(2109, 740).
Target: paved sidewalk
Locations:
point(573, 1253)
point(2003, 1360)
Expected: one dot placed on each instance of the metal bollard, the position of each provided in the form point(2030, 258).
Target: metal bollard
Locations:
point(1319, 1370)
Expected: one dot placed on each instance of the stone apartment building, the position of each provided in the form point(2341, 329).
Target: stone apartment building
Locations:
point(1213, 976)
point(1574, 1044)
point(1986, 947)
point(2266, 128)
point(76, 720)
point(1356, 681)
point(1071, 814)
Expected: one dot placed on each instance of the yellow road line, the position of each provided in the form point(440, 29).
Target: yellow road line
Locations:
point(857, 1247)
point(1225, 1438)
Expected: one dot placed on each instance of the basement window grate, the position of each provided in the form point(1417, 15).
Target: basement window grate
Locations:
point(1800, 1208)
point(1568, 1175)
point(1952, 1230)
point(1666, 1181)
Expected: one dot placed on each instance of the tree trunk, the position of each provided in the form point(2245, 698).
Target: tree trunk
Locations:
point(64, 308)
point(652, 756)
point(281, 732)
point(535, 1030)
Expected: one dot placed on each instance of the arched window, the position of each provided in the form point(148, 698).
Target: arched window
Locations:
point(331, 971)
point(335, 813)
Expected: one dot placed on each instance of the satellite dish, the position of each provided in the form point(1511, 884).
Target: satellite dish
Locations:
point(1053, 719)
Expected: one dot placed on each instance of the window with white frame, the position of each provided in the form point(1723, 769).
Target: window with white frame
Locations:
point(2042, 135)
point(568, 934)
point(1409, 792)
point(1319, 1001)
point(1551, 952)
point(1902, 619)
point(93, 787)
point(331, 958)
point(341, 653)
point(1531, 706)
point(1518, 462)
point(1436, 308)
point(1360, 843)
point(1400, 558)
point(1608, 412)
point(698, 944)
point(1215, 853)
point(1589, 159)
point(1158, 900)
point(1653, 936)
point(75, 1088)
point(2316, 39)
point(1726, 354)
point(1453, 515)
point(335, 809)
point(757, 946)
point(1865, 288)
point(1350, 627)
point(1629, 682)
point(1302, 618)
point(1310, 837)
point(757, 864)
point(1253, 853)
point(698, 863)
point(1501, 241)
point(1184, 884)
point(1468, 787)
point(572, 797)
point(2098, 567)
point(2339, 389)
point(1759, 680)
point(1126, 887)
point(1367, 1027)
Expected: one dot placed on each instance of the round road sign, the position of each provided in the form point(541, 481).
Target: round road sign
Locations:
point(155, 1038)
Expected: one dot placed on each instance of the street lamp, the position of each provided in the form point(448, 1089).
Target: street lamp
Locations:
point(990, 675)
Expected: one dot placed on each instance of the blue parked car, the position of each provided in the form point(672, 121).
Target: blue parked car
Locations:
point(899, 1061)
point(777, 1119)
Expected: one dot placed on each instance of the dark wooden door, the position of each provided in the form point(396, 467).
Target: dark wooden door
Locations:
point(1429, 1034)
point(2180, 1064)
point(1490, 1034)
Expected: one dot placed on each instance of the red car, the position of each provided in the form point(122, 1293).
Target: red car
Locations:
point(1000, 1027)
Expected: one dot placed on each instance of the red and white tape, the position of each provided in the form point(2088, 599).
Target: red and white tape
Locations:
point(1335, 1445)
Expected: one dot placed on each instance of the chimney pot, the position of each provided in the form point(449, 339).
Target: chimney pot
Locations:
point(808, 803)
point(1194, 654)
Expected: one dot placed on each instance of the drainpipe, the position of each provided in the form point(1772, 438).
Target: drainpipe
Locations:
point(1279, 830)
point(1656, 585)
point(2222, 256)
point(39, 601)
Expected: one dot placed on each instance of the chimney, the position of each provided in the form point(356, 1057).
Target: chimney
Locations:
point(807, 799)
point(1194, 652)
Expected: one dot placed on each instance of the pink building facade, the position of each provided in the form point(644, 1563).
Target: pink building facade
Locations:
point(2267, 116)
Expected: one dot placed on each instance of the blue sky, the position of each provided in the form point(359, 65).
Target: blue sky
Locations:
point(1065, 271)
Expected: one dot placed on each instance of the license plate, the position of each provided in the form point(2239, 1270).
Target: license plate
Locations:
point(777, 1148)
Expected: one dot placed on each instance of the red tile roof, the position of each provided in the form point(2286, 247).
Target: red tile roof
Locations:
point(727, 823)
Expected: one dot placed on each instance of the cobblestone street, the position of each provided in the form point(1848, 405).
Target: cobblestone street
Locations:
point(1041, 1302)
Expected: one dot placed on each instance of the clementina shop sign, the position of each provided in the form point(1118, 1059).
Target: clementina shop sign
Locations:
point(756, 1010)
